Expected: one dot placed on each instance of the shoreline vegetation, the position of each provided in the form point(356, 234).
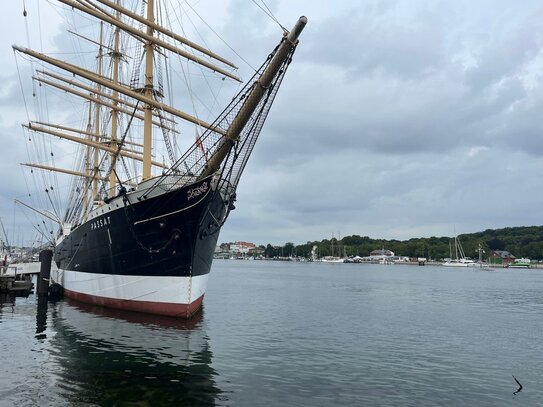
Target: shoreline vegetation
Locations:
point(485, 266)
point(521, 242)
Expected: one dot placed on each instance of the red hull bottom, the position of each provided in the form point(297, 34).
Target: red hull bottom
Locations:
point(157, 308)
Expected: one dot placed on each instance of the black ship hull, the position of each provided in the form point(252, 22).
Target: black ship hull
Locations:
point(147, 253)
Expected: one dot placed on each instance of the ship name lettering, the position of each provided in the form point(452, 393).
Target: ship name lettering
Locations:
point(100, 223)
point(196, 192)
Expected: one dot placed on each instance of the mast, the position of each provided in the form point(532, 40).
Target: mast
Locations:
point(97, 118)
point(148, 92)
point(5, 236)
point(87, 167)
point(114, 112)
point(456, 252)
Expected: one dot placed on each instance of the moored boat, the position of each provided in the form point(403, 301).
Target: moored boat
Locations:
point(520, 264)
point(138, 233)
point(333, 259)
point(458, 257)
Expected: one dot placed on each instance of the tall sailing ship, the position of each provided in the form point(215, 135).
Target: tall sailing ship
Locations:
point(139, 233)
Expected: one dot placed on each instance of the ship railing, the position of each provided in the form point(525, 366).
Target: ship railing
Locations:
point(175, 181)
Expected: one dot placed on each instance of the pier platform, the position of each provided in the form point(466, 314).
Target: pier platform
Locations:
point(20, 285)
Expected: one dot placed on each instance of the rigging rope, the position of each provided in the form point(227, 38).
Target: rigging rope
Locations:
point(219, 37)
point(269, 13)
point(119, 148)
point(202, 71)
point(25, 14)
point(41, 108)
point(21, 85)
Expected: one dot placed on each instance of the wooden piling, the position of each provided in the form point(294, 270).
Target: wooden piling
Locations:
point(45, 272)
point(6, 282)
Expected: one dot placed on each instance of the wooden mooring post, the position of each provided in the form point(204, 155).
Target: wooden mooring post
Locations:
point(45, 272)
point(6, 282)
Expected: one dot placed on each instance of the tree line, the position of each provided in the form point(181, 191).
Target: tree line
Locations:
point(519, 241)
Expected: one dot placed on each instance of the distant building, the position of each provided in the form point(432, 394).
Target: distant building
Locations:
point(222, 251)
point(241, 247)
point(223, 248)
point(381, 256)
point(501, 257)
point(256, 252)
point(381, 253)
point(237, 249)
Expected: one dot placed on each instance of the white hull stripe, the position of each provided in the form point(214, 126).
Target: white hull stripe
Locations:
point(172, 290)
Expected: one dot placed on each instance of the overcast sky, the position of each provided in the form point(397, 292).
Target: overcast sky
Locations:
point(397, 119)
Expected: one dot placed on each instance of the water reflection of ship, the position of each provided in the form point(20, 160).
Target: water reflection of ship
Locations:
point(111, 357)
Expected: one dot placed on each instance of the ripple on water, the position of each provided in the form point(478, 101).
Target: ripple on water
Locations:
point(293, 334)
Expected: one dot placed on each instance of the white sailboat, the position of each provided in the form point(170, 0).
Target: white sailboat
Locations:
point(332, 258)
point(459, 259)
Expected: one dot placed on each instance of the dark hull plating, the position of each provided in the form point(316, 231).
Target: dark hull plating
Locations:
point(173, 234)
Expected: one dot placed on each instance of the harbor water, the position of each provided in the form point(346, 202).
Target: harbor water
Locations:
point(291, 333)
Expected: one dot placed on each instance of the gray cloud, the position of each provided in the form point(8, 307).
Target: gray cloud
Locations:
point(396, 119)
